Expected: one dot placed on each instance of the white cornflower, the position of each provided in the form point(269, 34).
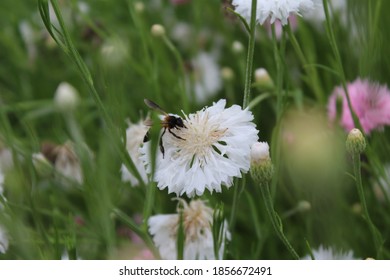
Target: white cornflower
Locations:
point(197, 224)
point(330, 254)
point(216, 148)
point(273, 9)
point(135, 134)
point(3, 241)
point(206, 74)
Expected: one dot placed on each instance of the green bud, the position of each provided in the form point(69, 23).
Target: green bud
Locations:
point(262, 168)
point(356, 143)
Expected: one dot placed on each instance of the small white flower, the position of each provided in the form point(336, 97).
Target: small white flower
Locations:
point(3, 241)
point(66, 97)
point(197, 224)
point(216, 148)
point(135, 134)
point(330, 254)
point(207, 79)
point(273, 9)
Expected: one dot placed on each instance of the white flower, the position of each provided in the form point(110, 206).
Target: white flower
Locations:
point(330, 254)
point(197, 224)
point(216, 148)
point(273, 9)
point(206, 76)
point(3, 241)
point(135, 134)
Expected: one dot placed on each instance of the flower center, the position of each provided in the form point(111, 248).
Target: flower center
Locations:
point(201, 136)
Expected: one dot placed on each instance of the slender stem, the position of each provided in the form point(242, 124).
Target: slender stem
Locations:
point(341, 72)
point(249, 60)
point(310, 70)
point(247, 91)
point(279, 77)
point(236, 196)
point(137, 230)
point(374, 231)
point(275, 219)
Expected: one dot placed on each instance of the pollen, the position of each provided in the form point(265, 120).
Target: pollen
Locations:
point(201, 137)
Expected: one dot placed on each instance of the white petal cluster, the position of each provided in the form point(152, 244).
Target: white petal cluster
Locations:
point(216, 147)
point(197, 224)
point(323, 253)
point(273, 9)
point(135, 134)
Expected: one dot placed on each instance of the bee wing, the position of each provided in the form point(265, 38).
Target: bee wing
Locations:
point(154, 106)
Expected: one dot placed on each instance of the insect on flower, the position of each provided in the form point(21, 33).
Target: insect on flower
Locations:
point(169, 122)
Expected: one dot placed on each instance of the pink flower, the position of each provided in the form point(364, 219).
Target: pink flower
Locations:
point(370, 102)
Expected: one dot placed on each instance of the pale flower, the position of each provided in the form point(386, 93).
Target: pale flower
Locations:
point(323, 253)
point(65, 161)
point(216, 147)
point(197, 226)
point(273, 10)
point(206, 76)
point(135, 134)
point(370, 101)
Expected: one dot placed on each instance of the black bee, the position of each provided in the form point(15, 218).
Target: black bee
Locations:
point(169, 123)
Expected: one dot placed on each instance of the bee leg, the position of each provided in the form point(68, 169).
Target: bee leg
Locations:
point(178, 137)
point(161, 143)
point(146, 137)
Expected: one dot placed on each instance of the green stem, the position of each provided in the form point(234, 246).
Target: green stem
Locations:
point(236, 196)
point(340, 67)
point(279, 77)
point(310, 70)
point(179, 60)
point(249, 60)
point(247, 91)
point(374, 231)
point(137, 230)
point(275, 219)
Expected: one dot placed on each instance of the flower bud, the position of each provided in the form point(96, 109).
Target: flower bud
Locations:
point(261, 164)
point(263, 79)
point(237, 47)
point(227, 73)
point(139, 7)
point(303, 206)
point(66, 97)
point(356, 143)
point(158, 30)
